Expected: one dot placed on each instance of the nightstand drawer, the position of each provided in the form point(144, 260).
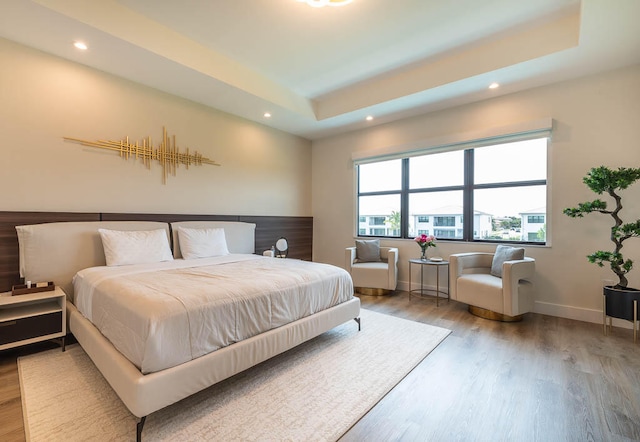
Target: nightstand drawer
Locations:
point(31, 327)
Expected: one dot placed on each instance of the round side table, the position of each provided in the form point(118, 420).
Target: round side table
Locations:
point(422, 291)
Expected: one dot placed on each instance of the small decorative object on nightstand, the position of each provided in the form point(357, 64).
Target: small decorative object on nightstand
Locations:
point(33, 317)
point(25, 289)
point(280, 250)
point(282, 247)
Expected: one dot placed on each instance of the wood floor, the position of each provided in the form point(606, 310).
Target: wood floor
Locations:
point(543, 379)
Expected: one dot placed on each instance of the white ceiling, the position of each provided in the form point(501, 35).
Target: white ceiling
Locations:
point(321, 71)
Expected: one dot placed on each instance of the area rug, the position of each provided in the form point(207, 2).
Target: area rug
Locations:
point(314, 392)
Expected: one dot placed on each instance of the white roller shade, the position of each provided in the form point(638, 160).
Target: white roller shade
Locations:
point(491, 136)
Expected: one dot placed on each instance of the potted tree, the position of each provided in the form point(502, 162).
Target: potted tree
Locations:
point(618, 298)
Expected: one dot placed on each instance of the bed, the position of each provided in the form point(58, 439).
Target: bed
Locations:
point(279, 315)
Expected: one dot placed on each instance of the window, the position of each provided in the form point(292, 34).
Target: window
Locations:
point(440, 233)
point(444, 221)
point(491, 192)
point(379, 191)
point(447, 204)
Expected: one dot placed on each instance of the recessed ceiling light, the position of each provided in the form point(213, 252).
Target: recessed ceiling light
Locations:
point(369, 117)
point(80, 45)
point(494, 86)
point(267, 115)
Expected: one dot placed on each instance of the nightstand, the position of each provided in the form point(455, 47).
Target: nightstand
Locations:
point(34, 317)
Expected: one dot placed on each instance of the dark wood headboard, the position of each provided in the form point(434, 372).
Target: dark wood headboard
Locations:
point(297, 229)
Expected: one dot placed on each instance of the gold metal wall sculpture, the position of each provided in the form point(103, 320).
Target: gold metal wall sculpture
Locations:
point(167, 154)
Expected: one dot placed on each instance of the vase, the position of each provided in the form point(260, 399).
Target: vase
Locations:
point(619, 302)
point(424, 254)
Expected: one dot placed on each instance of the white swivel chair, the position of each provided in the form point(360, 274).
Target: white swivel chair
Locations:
point(373, 278)
point(504, 298)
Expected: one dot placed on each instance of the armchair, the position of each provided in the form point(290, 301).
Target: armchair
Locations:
point(491, 297)
point(373, 278)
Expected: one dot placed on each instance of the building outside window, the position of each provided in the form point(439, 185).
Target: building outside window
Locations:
point(493, 192)
point(533, 224)
point(378, 225)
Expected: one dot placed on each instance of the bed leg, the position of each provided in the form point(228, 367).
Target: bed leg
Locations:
point(358, 321)
point(139, 427)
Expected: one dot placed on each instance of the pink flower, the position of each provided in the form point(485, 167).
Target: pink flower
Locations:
point(424, 240)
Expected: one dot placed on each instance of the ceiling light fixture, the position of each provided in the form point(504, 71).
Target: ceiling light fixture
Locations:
point(321, 3)
point(80, 45)
point(369, 117)
point(267, 115)
point(494, 86)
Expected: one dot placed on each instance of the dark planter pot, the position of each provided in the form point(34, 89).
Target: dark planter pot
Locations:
point(619, 302)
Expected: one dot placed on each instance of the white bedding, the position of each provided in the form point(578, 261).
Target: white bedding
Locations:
point(163, 314)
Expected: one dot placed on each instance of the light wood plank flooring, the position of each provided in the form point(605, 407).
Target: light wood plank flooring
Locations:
point(544, 379)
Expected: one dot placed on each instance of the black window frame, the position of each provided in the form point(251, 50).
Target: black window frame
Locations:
point(467, 188)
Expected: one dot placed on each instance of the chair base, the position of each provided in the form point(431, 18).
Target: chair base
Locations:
point(372, 291)
point(488, 314)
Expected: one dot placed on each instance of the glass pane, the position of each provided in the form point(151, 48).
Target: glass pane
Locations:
point(385, 175)
point(437, 170)
point(520, 161)
point(436, 213)
point(511, 214)
point(379, 215)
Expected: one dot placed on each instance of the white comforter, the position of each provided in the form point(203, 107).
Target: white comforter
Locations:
point(163, 314)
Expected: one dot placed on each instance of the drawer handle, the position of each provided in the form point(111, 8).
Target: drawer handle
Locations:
point(8, 323)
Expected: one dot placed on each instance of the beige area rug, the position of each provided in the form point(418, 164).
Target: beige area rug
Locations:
point(314, 392)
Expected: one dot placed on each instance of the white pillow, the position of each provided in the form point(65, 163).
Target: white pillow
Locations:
point(125, 247)
point(202, 243)
point(504, 253)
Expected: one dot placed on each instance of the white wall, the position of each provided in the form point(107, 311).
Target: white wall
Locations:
point(44, 98)
point(596, 123)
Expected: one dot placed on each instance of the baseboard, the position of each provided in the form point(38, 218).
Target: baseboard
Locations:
point(577, 313)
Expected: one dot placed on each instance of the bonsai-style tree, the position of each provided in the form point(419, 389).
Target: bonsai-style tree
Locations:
point(605, 180)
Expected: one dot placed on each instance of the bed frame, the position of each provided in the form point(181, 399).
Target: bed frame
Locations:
point(145, 394)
